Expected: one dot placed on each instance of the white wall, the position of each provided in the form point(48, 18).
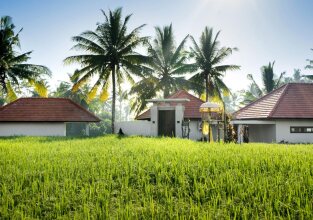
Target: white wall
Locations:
point(179, 117)
point(283, 131)
point(195, 134)
point(262, 133)
point(32, 129)
point(134, 127)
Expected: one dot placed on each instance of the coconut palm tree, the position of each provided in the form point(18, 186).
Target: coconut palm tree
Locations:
point(13, 68)
point(310, 65)
point(109, 54)
point(165, 70)
point(269, 80)
point(208, 57)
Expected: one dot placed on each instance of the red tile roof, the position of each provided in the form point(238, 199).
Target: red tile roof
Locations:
point(191, 108)
point(45, 110)
point(291, 101)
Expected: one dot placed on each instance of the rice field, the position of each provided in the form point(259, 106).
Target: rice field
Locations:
point(153, 178)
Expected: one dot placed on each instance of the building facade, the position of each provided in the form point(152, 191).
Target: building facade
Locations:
point(284, 115)
point(42, 117)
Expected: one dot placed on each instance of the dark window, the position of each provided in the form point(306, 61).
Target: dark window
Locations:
point(301, 129)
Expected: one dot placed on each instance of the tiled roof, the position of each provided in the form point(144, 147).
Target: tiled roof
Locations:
point(45, 110)
point(293, 101)
point(191, 107)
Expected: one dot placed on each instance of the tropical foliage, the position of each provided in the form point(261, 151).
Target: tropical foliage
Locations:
point(13, 66)
point(165, 70)
point(208, 57)
point(269, 82)
point(310, 65)
point(109, 57)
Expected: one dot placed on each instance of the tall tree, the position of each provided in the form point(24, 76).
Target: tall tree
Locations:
point(165, 70)
point(208, 57)
point(109, 54)
point(269, 83)
point(310, 65)
point(13, 68)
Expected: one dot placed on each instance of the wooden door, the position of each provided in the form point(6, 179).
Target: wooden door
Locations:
point(166, 125)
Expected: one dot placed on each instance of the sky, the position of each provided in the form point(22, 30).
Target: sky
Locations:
point(262, 30)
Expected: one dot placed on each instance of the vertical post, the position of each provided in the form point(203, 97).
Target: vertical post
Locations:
point(218, 131)
point(179, 117)
point(239, 134)
point(87, 129)
point(224, 123)
point(154, 120)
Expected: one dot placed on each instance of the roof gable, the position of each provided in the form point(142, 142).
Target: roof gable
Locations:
point(45, 110)
point(294, 100)
point(191, 108)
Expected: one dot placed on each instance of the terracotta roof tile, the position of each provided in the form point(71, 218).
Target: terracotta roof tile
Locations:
point(294, 100)
point(45, 109)
point(191, 108)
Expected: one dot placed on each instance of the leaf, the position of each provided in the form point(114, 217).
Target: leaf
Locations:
point(104, 95)
point(11, 96)
point(92, 94)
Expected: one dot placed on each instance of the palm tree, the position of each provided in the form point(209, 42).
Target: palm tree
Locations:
point(109, 53)
point(208, 58)
point(270, 82)
point(310, 65)
point(13, 68)
point(165, 70)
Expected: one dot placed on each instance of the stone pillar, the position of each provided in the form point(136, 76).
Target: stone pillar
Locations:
point(87, 129)
point(240, 134)
point(179, 117)
point(154, 120)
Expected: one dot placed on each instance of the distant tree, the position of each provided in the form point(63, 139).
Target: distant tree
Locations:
point(64, 90)
point(269, 83)
point(109, 53)
point(233, 102)
point(13, 66)
point(166, 68)
point(296, 78)
point(310, 65)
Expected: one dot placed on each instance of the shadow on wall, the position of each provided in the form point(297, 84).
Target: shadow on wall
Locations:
point(78, 129)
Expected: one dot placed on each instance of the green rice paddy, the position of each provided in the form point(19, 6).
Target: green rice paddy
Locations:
point(153, 178)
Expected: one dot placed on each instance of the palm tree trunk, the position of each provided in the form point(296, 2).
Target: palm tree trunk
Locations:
point(166, 93)
point(207, 87)
point(2, 81)
point(113, 99)
point(224, 123)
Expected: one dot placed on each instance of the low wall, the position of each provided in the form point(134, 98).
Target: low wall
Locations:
point(142, 128)
point(32, 129)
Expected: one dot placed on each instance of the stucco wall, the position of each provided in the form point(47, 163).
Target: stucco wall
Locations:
point(134, 127)
point(195, 134)
point(262, 133)
point(283, 131)
point(32, 129)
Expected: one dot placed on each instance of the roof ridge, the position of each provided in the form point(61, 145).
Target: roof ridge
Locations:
point(183, 90)
point(9, 104)
point(62, 101)
point(43, 98)
point(259, 99)
point(278, 101)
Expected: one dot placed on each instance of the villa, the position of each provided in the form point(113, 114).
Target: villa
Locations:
point(42, 117)
point(169, 117)
point(283, 115)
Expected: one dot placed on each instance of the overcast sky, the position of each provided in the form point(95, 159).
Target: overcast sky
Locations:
point(262, 30)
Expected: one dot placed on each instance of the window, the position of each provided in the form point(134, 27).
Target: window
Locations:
point(301, 129)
